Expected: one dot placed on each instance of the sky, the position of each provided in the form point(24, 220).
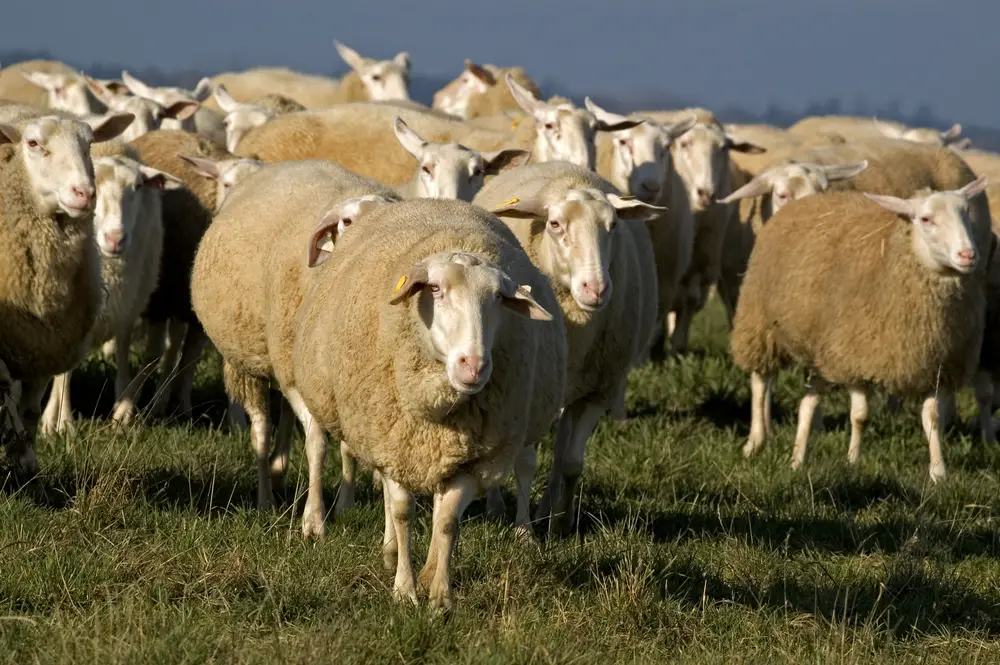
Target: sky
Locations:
point(715, 52)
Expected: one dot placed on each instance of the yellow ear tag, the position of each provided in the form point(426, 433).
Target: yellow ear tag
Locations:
point(515, 122)
point(509, 203)
point(399, 285)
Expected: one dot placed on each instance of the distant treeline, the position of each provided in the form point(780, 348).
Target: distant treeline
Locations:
point(422, 89)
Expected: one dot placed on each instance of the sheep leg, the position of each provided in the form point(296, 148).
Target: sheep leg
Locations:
point(495, 507)
point(584, 419)
point(525, 467)
point(427, 573)
point(760, 411)
point(57, 417)
point(401, 510)
point(195, 342)
point(456, 497)
point(236, 416)
point(349, 472)
point(893, 405)
point(282, 444)
point(618, 409)
point(260, 433)
point(313, 516)
point(22, 450)
point(947, 410)
point(859, 416)
point(10, 419)
point(658, 345)
point(679, 336)
point(168, 366)
point(931, 420)
point(125, 408)
point(390, 547)
point(554, 488)
point(807, 408)
point(108, 349)
point(984, 399)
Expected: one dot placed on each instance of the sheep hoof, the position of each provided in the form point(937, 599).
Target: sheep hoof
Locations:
point(313, 526)
point(937, 473)
point(525, 533)
point(123, 413)
point(402, 592)
point(265, 501)
point(752, 447)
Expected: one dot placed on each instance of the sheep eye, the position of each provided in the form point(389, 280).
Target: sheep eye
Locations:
point(376, 77)
point(32, 144)
point(925, 220)
point(553, 224)
point(435, 288)
point(426, 169)
point(549, 126)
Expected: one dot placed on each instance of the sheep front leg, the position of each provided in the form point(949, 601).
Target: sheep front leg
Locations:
point(859, 416)
point(23, 450)
point(807, 409)
point(930, 418)
point(260, 434)
point(584, 418)
point(496, 509)
point(457, 495)
point(401, 510)
point(282, 444)
point(195, 342)
point(760, 411)
point(58, 416)
point(168, 366)
point(984, 399)
point(349, 473)
point(125, 408)
point(390, 546)
point(525, 467)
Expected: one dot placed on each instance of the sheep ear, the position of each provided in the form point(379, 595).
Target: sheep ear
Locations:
point(409, 139)
point(115, 87)
point(181, 110)
point(632, 209)
point(225, 101)
point(532, 208)
point(518, 300)
point(402, 60)
point(501, 160)
point(158, 179)
point(333, 223)
point(975, 188)
point(111, 126)
point(759, 186)
point(41, 79)
point(681, 128)
point(739, 145)
point(203, 167)
point(480, 72)
point(626, 123)
point(103, 92)
point(961, 144)
point(135, 86)
point(523, 97)
point(835, 172)
point(203, 90)
point(9, 134)
point(603, 116)
point(409, 285)
point(893, 204)
point(951, 133)
point(887, 130)
point(350, 56)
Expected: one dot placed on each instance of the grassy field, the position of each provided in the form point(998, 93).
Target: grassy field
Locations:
point(145, 547)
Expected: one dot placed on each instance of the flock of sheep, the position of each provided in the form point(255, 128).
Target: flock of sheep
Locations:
point(439, 286)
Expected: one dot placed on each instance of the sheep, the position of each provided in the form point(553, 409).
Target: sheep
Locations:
point(241, 117)
point(478, 91)
point(128, 231)
point(701, 158)
point(50, 280)
point(68, 92)
point(16, 87)
point(435, 374)
point(596, 252)
point(247, 281)
point(382, 79)
point(187, 213)
point(853, 127)
point(450, 170)
point(227, 173)
point(914, 294)
point(149, 114)
point(204, 121)
point(760, 198)
point(310, 91)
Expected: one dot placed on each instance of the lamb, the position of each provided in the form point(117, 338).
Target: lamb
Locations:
point(761, 198)
point(241, 117)
point(382, 80)
point(129, 233)
point(853, 127)
point(914, 293)
point(205, 122)
point(16, 87)
point(450, 170)
point(187, 213)
point(701, 157)
point(50, 280)
point(478, 91)
point(436, 374)
point(248, 278)
point(596, 252)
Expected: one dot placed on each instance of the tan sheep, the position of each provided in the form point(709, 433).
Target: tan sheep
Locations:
point(914, 294)
point(16, 86)
point(253, 84)
point(429, 363)
point(595, 249)
point(480, 91)
point(241, 117)
point(855, 127)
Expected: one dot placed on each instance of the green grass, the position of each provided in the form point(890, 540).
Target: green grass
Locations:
point(145, 547)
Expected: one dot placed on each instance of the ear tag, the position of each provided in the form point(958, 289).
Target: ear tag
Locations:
point(399, 285)
point(515, 122)
point(509, 203)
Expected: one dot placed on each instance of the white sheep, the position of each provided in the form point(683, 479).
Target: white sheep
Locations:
point(227, 173)
point(383, 79)
point(203, 121)
point(149, 115)
point(241, 117)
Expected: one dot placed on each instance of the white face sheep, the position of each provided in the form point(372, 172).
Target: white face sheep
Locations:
point(641, 153)
point(384, 79)
point(564, 132)
point(227, 173)
point(462, 298)
point(168, 97)
point(450, 170)
point(120, 184)
point(67, 93)
point(454, 97)
point(149, 114)
point(241, 117)
point(701, 157)
point(790, 182)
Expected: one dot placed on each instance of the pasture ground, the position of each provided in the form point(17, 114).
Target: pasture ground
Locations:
point(145, 546)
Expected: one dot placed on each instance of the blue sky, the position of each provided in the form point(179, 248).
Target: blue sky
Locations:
point(717, 52)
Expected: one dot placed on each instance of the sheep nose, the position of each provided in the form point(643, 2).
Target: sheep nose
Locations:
point(82, 192)
point(595, 291)
point(113, 241)
point(469, 368)
point(967, 257)
point(705, 196)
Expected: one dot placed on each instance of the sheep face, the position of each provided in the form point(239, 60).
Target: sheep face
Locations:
point(942, 238)
point(185, 102)
point(462, 300)
point(243, 119)
point(701, 157)
point(783, 184)
point(450, 170)
point(121, 184)
point(384, 80)
point(454, 98)
point(226, 172)
point(149, 115)
point(66, 93)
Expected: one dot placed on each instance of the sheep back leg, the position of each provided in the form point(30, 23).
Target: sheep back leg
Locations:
point(931, 421)
point(859, 416)
point(458, 493)
point(807, 409)
point(313, 524)
point(760, 411)
point(349, 473)
point(401, 510)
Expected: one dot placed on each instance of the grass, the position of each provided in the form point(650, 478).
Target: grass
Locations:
point(145, 546)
